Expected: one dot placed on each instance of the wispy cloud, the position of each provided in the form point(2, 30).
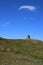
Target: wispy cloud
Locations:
point(5, 24)
point(31, 8)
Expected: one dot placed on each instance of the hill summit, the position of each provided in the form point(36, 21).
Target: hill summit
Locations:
point(21, 52)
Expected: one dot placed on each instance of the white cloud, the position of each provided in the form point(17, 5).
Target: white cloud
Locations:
point(31, 8)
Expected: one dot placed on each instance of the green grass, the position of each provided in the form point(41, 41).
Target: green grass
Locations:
point(27, 52)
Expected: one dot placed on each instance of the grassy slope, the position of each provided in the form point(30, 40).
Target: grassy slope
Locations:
point(27, 52)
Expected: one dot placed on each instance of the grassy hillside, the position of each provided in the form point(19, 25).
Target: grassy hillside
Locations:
point(21, 52)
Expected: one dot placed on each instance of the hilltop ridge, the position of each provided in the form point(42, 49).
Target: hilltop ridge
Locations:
point(21, 52)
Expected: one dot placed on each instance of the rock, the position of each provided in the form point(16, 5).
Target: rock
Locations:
point(2, 49)
point(8, 49)
point(16, 50)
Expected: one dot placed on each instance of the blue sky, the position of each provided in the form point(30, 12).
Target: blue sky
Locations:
point(19, 18)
